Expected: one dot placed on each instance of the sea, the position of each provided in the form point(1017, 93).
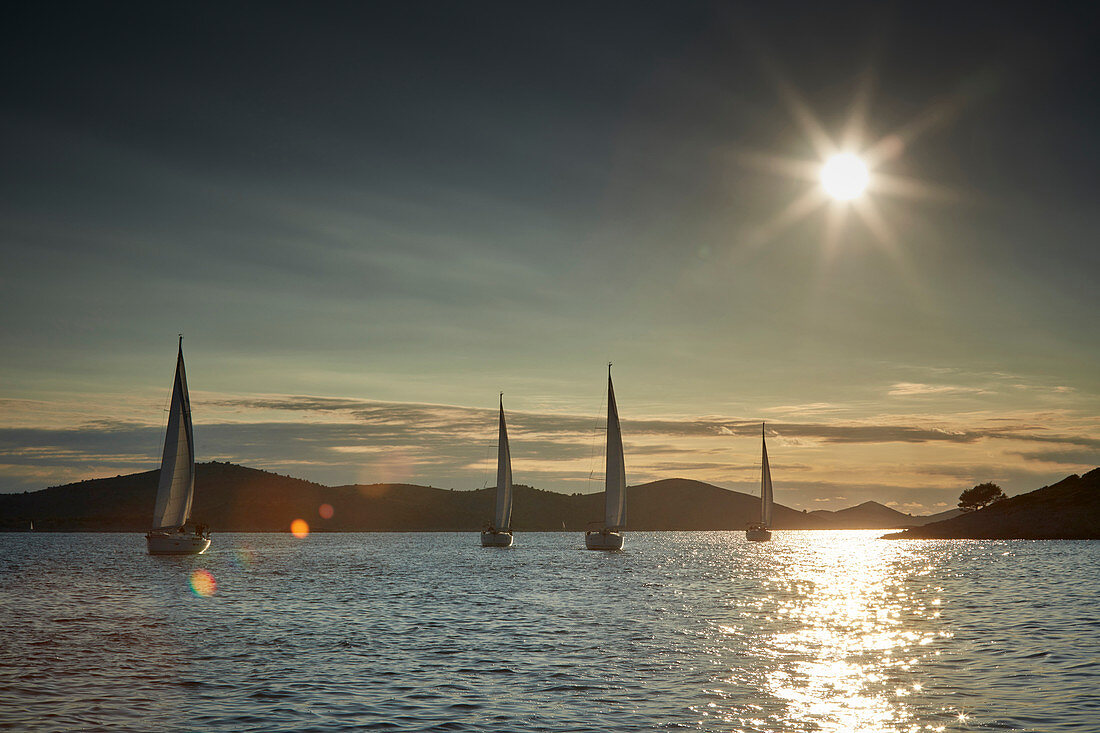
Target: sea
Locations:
point(699, 631)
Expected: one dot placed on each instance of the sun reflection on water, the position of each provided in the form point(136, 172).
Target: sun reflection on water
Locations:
point(844, 620)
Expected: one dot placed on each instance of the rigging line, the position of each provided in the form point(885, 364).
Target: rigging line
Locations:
point(592, 465)
point(487, 461)
point(166, 406)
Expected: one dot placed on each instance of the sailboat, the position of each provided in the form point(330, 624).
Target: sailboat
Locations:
point(758, 531)
point(169, 535)
point(499, 531)
point(614, 518)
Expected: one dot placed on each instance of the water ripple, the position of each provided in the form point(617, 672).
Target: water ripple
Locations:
point(823, 632)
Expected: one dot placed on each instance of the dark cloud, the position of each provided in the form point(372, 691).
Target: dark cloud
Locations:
point(1089, 458)
point(460, 419)
point(1078, 440)
point(449, 445)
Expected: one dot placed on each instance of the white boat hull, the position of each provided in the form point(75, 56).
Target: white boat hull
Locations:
point(757, 534)
point(164, 543)
point(603, 540)
point(496, 539)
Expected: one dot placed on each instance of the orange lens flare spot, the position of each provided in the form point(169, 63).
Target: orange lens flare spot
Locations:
point(299, 529)
point(325, 510)
point(203, 584)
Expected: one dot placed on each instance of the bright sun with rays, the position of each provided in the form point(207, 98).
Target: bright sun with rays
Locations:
point(844, 176)
point(850, 175)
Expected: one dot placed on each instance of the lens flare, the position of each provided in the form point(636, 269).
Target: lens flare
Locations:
point(203, 584)
point(325, 510)
point(299, 529)
point(244, 557)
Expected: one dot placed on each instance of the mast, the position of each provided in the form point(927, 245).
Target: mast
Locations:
point(503, 518)
point(615, 473)
point(176, 487)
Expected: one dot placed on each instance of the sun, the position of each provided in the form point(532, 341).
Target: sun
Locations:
point(844, 176)
point(848, 174)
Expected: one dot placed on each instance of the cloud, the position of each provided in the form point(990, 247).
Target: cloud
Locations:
point(341, 441)
point(918, 389)
point(1078, 440)
point(810, 408)
point(1086, 457)
point(383, 416)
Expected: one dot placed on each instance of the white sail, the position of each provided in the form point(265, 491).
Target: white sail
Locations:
point(615, 475)
point(765, 484)
point(177, 466)
point(503, 519)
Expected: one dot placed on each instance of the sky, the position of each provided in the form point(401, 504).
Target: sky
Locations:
point(369, 219)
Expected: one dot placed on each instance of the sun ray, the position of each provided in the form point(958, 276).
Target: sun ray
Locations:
point(911, 188)
point(835, 216)
point(856, 127)
point(796, 168)
point(793, 213)
point(801, 112)
point(869, 213)
point(894, 144)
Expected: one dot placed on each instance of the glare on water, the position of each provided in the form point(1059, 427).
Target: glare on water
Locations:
point(814, 631)
point(833, 636)
point(855, 629)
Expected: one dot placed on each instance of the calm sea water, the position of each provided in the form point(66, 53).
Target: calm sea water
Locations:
point(815, 631)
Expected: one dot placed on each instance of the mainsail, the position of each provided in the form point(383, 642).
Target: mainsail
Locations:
point(503, 519)
point(765, 484)
point(177, 466)
point(615, 476)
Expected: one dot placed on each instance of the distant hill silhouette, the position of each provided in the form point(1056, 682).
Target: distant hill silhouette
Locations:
point(872, 515)
point(229, 497)
point(949, 514)
point(1069, 510)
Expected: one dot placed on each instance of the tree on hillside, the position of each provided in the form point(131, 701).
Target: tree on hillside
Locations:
point(980, 496)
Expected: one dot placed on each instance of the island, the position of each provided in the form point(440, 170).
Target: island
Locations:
point(1067, 510)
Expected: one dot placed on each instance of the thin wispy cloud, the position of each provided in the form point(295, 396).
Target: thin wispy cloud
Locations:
point(917, 389)
point(344, 440)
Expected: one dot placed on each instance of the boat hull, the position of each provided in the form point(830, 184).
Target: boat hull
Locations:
point(603, 540)
point(496, 539)
point(757, 534)
point(163, 543)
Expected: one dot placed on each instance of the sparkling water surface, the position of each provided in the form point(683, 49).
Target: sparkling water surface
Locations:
point(814, 631)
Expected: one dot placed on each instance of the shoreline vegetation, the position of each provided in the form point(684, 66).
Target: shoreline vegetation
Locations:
point(233, 498)
point(1066, 510)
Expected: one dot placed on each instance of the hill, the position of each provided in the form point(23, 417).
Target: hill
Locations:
point(236, 498)
point(872, 515)
point(1069, 510)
